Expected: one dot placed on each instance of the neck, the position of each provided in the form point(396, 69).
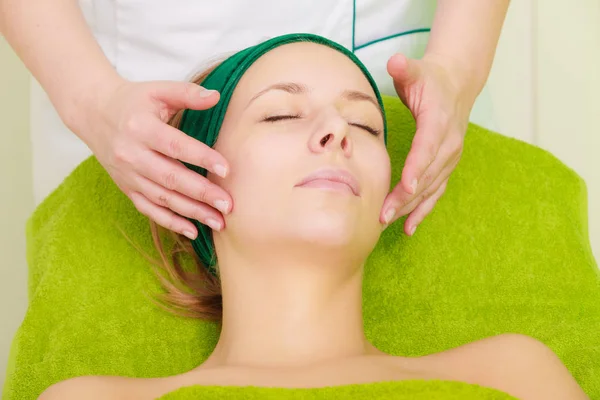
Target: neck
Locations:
point(287, 313)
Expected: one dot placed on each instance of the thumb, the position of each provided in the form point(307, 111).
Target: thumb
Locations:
point(402, 69)
point(180, 95)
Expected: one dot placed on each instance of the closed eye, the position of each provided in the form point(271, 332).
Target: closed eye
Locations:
point(275, 118)
point(372, 131)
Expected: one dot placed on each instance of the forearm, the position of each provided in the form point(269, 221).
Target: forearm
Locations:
point(54, 42)
point(467, 32)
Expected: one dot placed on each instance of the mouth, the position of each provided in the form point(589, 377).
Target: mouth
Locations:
point(332, 179)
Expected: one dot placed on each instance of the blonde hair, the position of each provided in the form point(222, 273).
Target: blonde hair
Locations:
point(193, 291)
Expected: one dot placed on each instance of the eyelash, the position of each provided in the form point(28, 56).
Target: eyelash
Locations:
point(276, 118)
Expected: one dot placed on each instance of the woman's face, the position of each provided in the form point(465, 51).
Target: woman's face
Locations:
point(304, 111)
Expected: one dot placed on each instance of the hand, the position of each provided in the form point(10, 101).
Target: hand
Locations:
point(434, 90)
point(126, 129)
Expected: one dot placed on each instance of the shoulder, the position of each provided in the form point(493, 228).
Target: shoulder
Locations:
point(517, 364)
point(89, 387)
point(101, 387)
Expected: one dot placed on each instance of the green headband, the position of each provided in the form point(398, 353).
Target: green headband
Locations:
point(204, 125)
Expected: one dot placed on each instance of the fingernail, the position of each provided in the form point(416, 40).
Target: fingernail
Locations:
point(220, 170)
point(207, 92)
point(389, 214)
point(412, 230)
point(222, 205)
point(214, 224)
point(413, 186)
point(189, 235)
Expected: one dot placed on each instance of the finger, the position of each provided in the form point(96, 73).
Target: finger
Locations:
point(175, 144)
point(180, 95)
point(174, 176)
point(422, 210)
point(403, 69)
point(447, 158)
point(427, 192)
point(163, 216)
point(424, 150)
point(180, 204)
point(395, 204)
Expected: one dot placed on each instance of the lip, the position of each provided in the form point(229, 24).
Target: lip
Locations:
point(334, 175)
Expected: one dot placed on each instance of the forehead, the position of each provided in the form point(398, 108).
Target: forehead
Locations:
point(317, 66)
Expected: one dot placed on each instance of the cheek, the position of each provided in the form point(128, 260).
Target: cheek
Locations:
point(386, 174)
point(379, 174)
point(261, 171)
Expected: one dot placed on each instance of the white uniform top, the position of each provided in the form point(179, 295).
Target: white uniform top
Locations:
point(156, 39)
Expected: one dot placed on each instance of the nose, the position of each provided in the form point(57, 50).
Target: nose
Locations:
point(331, 135)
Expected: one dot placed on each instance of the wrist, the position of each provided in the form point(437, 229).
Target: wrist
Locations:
point(86, 99)
point(466, 80)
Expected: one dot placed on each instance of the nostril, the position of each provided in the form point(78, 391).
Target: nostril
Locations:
point(344, 142)
point(325, 139)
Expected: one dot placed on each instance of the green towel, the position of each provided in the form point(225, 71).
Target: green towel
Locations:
point(404, 390)
point(505, 250)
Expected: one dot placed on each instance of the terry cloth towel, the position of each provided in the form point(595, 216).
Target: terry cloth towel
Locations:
point(404, 390)
point(506, 249)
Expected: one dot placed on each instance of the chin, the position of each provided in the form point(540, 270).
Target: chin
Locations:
point(332, 229)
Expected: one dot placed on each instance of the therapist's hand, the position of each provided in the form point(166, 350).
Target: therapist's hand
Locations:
point(126, 130)
point(433, 89)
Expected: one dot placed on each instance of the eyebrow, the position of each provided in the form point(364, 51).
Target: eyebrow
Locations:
point(296, 88)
